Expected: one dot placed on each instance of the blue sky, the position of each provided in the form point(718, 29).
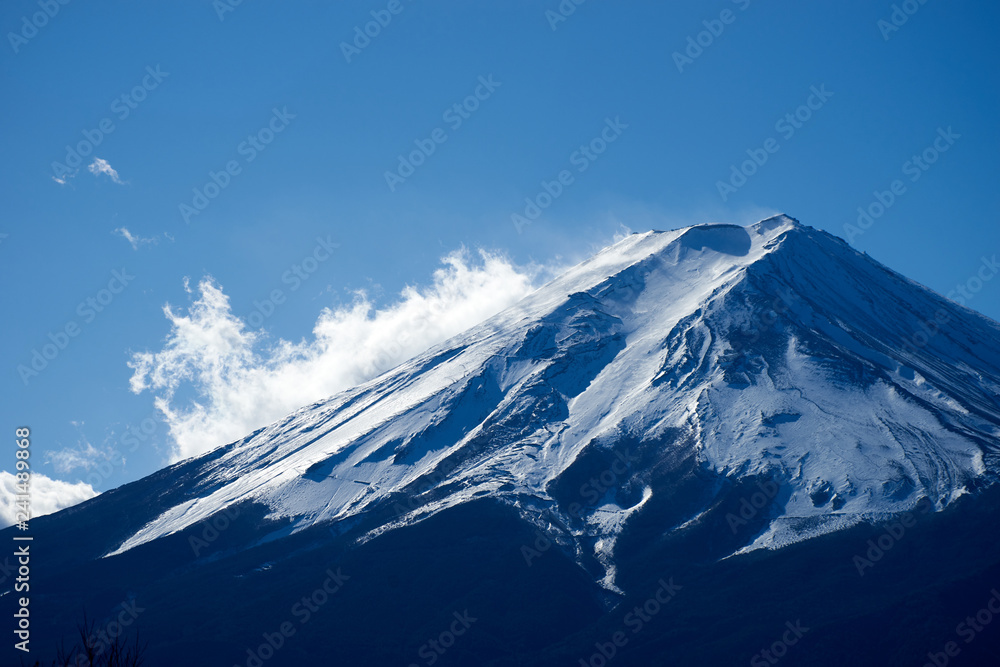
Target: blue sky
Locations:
point(641, 108)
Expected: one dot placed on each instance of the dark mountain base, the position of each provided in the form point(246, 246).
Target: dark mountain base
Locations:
point(475, 585)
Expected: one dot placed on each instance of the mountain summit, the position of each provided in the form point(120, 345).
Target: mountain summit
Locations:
point(772, 350)
point(703, 395)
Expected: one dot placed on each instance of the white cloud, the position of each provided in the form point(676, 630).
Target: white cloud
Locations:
point(47, 496)
point(85, 456)
point(99, 166)
point(134, 241)
point(244, 381)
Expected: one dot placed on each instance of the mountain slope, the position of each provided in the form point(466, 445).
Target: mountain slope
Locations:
point(662, 331)
point(681, 397)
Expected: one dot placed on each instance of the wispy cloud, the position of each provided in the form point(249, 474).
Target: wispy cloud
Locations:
point(243, 380)
point(135, 241)
point(99, 166)
point(83, 457)
point(47, 496)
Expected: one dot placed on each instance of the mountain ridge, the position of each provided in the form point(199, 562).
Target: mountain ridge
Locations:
point(581, 321)
point(719, 404)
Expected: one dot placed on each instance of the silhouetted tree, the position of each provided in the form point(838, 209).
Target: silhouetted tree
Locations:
point(99, 650)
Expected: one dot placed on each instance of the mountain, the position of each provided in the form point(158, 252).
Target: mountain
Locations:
point(703, 444)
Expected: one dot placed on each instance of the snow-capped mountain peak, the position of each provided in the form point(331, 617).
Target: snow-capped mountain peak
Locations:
point(771, 352)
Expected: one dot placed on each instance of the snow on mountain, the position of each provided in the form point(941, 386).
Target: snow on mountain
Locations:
point(773, 351)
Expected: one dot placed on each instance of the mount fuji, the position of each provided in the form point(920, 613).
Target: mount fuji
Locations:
point(717, 445)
